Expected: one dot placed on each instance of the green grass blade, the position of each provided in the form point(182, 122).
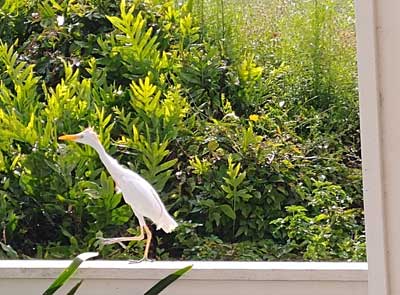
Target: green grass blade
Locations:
point(165, 282)
point(75, 288)
point(189, 6)
point(68, 272)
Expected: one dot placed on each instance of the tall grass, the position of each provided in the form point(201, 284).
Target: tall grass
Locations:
point(307, 50)
point(244, 117)
point(309, 81)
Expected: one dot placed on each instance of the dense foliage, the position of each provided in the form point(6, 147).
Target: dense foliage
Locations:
point(243, 116)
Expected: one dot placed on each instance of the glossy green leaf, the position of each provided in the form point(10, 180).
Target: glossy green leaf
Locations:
point(228, 211)
point(68, 272)
point(164, 283)
point(75, 288)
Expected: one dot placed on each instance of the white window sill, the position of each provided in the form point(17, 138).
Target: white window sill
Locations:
point(120, 277)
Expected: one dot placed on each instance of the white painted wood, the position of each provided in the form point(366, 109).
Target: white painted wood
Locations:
point(378, 28)
point(120, 277)
point(372, 144)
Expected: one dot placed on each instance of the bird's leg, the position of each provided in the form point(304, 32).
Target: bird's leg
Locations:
point(149, 236)
point(110, 241)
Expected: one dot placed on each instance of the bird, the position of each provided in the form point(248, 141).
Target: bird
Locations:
point(136, 191)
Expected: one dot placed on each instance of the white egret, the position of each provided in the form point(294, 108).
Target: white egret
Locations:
point(137, 192)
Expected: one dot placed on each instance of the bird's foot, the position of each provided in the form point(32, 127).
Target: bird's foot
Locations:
point(110, 241)
point(141, 260)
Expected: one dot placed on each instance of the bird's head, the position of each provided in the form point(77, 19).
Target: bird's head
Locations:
point(87, 136)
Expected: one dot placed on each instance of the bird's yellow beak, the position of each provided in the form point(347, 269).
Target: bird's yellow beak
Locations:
point(72, 137)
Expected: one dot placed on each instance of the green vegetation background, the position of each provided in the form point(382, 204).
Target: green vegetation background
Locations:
point(243, 114)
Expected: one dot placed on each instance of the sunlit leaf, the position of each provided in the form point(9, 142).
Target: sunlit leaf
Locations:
point(164, 283)
point(68, 272)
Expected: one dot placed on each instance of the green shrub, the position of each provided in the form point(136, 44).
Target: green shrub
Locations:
point(328, 229)
point(228, 130)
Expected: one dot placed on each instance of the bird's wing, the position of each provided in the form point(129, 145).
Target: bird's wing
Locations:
point(139, 193)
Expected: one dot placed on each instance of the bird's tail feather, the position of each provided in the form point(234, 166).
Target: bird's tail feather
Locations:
point(167, 223)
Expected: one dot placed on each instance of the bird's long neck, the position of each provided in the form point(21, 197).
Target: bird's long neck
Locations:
point(110, 163)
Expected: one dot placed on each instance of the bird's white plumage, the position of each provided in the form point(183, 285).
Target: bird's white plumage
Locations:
point(137, 191)
point(133, 188)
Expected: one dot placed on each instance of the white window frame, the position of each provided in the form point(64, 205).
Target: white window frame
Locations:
point(377, 21)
